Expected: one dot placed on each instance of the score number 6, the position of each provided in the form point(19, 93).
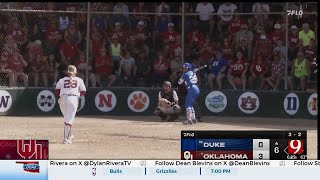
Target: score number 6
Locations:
point(295, 147)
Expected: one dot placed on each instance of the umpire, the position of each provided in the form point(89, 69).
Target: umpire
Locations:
point(171, 112)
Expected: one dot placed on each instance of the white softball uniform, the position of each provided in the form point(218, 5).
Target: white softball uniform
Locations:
point(70, 88)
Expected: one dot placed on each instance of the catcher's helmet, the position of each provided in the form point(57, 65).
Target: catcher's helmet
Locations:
point(166, 83)
point(187, 65)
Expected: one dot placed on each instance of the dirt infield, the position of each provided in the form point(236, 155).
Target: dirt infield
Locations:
point(135, 137)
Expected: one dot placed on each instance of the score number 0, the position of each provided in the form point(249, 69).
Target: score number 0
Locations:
point(295, 147)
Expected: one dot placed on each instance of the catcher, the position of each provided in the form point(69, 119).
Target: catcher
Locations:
point(168, 106)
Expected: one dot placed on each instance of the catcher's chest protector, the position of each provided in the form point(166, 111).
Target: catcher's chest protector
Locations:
point(168, 95)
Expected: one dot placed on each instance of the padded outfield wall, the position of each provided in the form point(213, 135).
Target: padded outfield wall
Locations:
point(143, 101)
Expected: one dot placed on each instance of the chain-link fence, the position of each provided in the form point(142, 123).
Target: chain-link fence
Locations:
point(245, 45)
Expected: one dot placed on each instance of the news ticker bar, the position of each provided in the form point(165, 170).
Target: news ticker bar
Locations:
point(144, 169)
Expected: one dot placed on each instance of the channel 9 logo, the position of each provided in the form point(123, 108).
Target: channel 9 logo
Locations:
point(295, 147)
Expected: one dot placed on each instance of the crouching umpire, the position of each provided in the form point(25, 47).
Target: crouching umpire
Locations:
point(168, 108)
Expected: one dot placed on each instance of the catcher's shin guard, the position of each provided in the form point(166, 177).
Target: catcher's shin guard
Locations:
point(176, 111)
point(158, 112)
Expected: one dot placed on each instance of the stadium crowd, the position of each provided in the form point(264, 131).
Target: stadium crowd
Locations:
point(125, 49)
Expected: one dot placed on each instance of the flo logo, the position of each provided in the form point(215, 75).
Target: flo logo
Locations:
point(313, 104)
point(248, 102)
point(216, 101)
point(105, 101)
point(31, 167)
point(291, 104)
point(46, 101)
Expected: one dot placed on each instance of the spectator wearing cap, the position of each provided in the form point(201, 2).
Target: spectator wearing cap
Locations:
point(118, 31)
point(73, 33)
point(237, 72)
point(258, 71)
point(228, 9)
point(142, 69)
point(169, 37)
point(40, 27)
point(300, 73)
point(244, 41)
point(160, 70)
point(263, 47)
point(206, 21)
point(278, 66)
point(18, 64)
point(141, 35)
point(116, 52)
point(293, 39)
point(68, 50)
point(218, 68)
point(277, 34)
point(103, 66)
point(305, 35)
point(5, 69)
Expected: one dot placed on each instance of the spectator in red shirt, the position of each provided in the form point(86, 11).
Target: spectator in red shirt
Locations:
point(277, 34)
point(235, 24)
point(34, 50)
point(264, 48)
point(17, 64)
point(5, 70)
point(278, 66)
point(81, 65)
point(10, 45)
point(237, 72)
point(97, 42)
point(195, 38)
point(68, 50)
point(310, 51)
point(227, 50)
point(141, 36)
point(17, 32)
point(160, 70)
point(39, 67)
point(207, 50)
point(103, 67)
point(258, 70)
point(169, 37)
point(293, 42)
point(53, 34)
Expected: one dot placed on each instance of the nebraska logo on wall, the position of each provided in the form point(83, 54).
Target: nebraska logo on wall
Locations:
point(105, 101)
point(5, 101)
point(313, 104)
point(138, 101)
point(248, 102)
point(81, 103)
point(291, 104)
point(216, 101)
point(46, 101)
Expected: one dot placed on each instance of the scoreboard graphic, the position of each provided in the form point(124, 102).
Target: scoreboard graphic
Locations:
point(244, 145)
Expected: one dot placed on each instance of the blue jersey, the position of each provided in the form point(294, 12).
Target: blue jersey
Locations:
point(217, 65)
point(190, 79)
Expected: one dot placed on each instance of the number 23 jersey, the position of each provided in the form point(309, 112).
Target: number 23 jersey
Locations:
point(71, 85)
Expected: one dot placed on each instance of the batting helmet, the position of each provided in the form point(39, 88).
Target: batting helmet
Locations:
point(187, 65)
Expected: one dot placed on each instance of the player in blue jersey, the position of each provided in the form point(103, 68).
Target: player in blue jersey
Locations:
point(190, 79)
